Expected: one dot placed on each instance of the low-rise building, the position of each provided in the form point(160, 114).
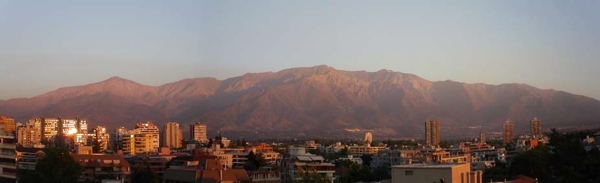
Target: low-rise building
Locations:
point(359, 150)
point(103, 168)
point(299, 161)
point(334, 148)
point(27, 157)
point(208, 169)
point(156, 162)
point(387, 158)
point(437, 173)
point(265, 175)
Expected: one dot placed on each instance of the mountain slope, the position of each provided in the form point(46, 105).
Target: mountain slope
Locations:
point(307, 100)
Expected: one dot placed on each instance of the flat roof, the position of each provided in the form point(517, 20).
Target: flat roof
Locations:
point(428, 165)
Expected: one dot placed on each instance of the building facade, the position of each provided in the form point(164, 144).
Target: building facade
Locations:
point(298, 162)
point(28, 135)
point(144, 139)
point(101, 138)
point(52, 129)
point(482, 137)
point(172, 135)
point(508, 131)
point(148, 134)
point(103, 168)
point(198, 132)
point(8, 163)
point(428, 173)
point(536, 128)
point(432, 133)
point(7, 125)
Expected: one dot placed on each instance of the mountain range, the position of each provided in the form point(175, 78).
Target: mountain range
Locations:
point(318, 100)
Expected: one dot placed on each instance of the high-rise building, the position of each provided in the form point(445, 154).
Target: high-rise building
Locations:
point(172, 135)
point(118, 137)
point(198, 132)
point(101, 138)
point(51, 128)
point(482, 137)
point(133, 144)
point(143, 139)
point(28, 135)
point(7, 125)
point(368, 138)
point(128, 144)
point(432, 133)
point(508, 132)
point(536, 128)
point(152, 130)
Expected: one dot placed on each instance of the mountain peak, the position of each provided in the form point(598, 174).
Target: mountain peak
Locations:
point(322, 68)
point(116, 79)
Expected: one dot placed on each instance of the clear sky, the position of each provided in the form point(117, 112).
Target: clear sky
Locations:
point(45, 45)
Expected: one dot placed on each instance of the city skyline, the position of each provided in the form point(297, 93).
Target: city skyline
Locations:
point(473, 41)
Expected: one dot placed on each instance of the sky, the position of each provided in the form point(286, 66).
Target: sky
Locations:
point(46, 45)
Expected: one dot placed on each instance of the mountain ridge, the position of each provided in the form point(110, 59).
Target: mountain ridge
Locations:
point(306, 99)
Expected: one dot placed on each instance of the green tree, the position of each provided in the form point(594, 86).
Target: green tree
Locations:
point(255, 161)
point(344, 152)
point(564, 159)
point(143, 174)
point(57, 166)
point(534, 163)
point(357, 173)
point(311, 176)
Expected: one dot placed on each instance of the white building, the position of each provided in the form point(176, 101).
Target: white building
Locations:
point(435, 173)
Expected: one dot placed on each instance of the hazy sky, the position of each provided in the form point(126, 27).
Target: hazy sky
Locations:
point(45, 45)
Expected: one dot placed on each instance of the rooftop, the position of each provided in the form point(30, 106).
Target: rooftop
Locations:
point(428, 165)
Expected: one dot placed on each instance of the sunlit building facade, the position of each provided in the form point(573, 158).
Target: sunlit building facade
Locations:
point(508, 131)
point(143, 139)
point(101, 138)
point(28, 135)
point(432, 133)
point(172, 135)
point(7, 125)
point(198, 132)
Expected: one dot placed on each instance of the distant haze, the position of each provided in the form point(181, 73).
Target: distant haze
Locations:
point(46, 45)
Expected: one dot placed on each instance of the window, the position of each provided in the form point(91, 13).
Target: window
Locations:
point(408, 172)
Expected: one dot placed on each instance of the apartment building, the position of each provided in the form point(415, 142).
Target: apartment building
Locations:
point(8, 164)
point(428, 173)
point(103, 168)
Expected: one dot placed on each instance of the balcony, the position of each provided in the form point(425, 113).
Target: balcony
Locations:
point(8, 146)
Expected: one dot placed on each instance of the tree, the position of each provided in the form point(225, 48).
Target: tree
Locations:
point(311, 176)
point(255, 161)
point(344, 152)
point(143, 174)
point(57, 166)
point(382, 173)
point(357, 173)
point(564, 159)
point(366, 159)
point(534, 163)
